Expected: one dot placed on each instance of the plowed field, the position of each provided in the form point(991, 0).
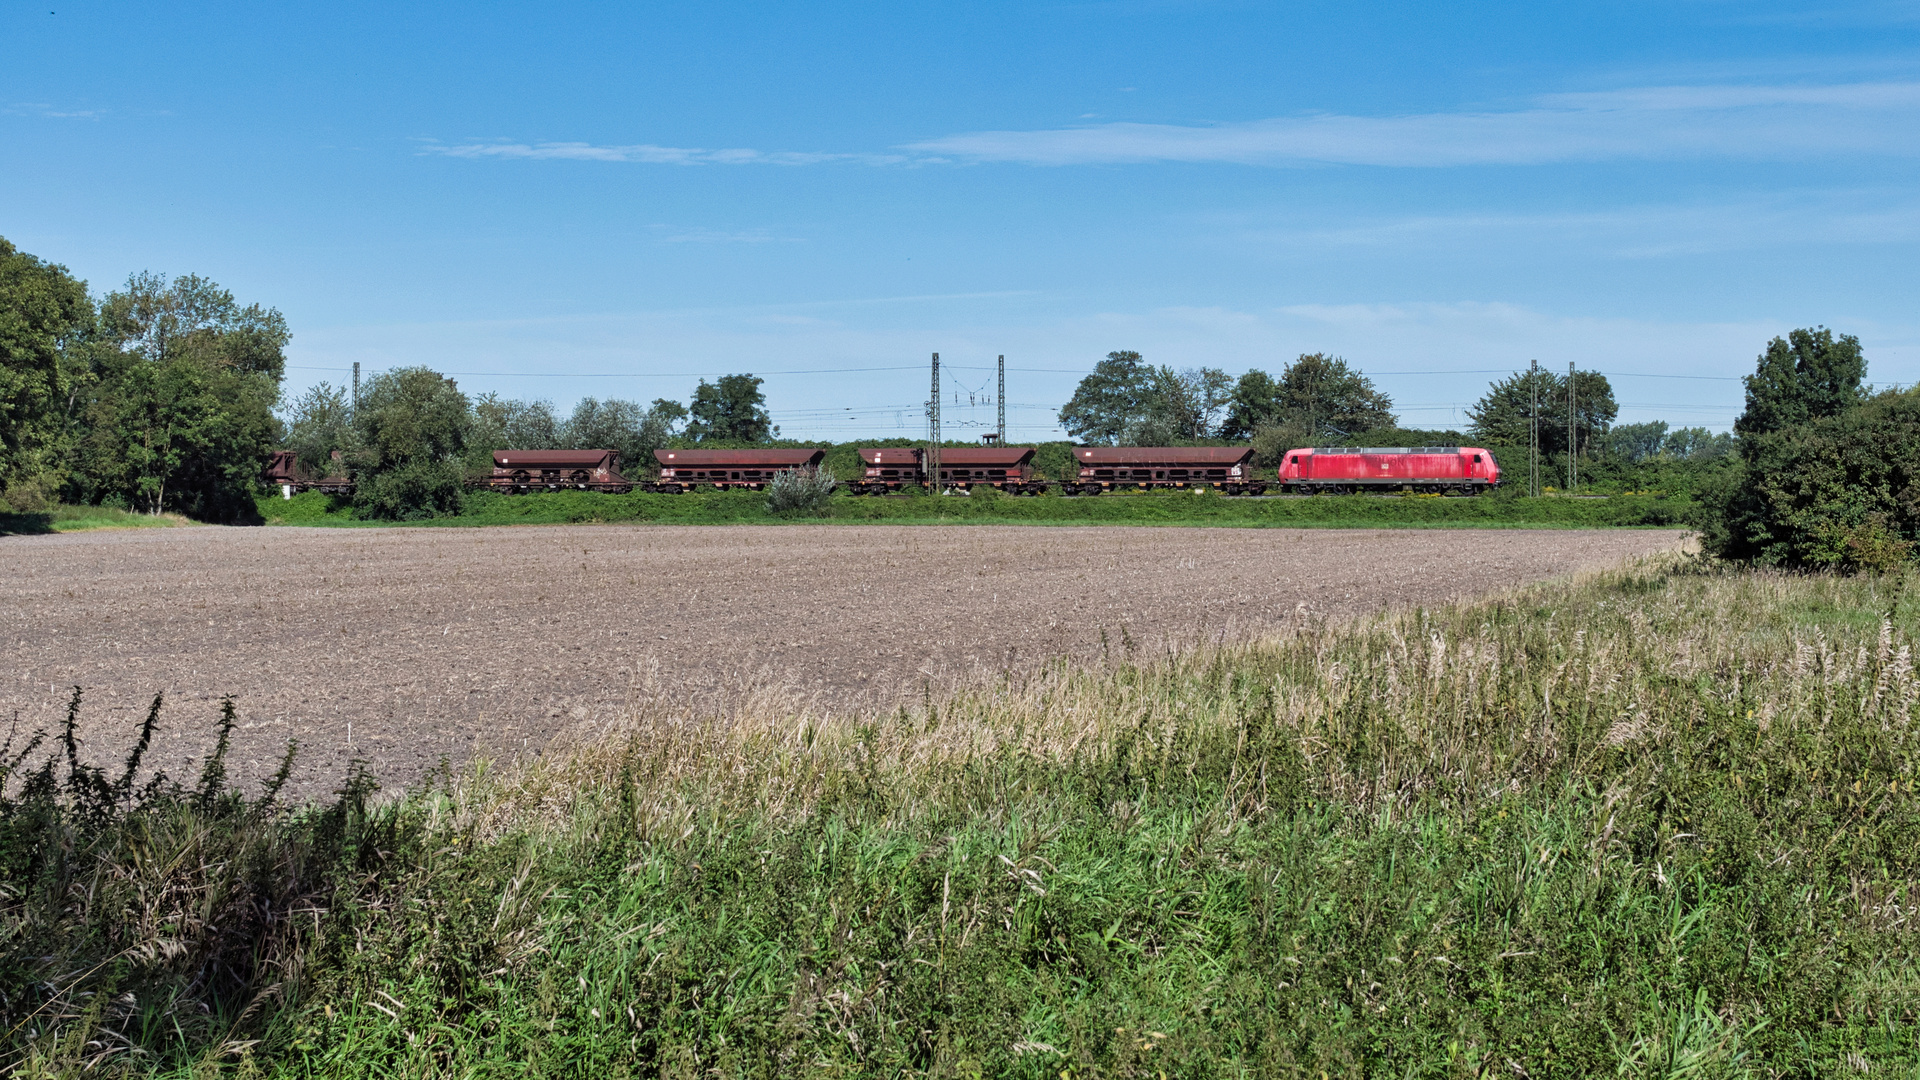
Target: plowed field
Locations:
point(406, 645)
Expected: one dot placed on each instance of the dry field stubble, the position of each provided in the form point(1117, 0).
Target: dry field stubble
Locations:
point(404, 646)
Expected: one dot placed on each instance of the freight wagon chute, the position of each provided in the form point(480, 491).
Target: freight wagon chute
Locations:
point(681, 470)
point(1105, 468)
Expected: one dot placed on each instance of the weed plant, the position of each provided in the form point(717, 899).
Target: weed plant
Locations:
point(1658, 822)
point(800, 491)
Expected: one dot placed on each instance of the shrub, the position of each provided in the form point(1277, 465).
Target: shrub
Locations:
point(1839, 492)
point(410, 492)
point(800, 491)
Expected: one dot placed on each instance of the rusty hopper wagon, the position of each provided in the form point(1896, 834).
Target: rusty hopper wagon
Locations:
point(285, 471)
point(1008, 468)
point(521, 471)
point(1105, 468)
point(683, 470)
point(1342, 470)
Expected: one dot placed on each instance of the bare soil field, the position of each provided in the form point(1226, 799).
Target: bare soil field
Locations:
point(404, 646)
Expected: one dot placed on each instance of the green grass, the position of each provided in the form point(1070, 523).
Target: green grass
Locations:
point(742, 507)
point(1660, 822)
point(64, 518)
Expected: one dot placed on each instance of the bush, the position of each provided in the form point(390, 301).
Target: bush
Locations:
point(800, 491)
point(1840, 492)
point(410, 492)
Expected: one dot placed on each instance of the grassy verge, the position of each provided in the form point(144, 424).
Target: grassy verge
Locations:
point(740, 507)
point(65, 518)
point(1661, 822)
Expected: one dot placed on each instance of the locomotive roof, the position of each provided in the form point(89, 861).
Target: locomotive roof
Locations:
point(1156, 455)
point(745, 459)
point(557, 458)
point(1004, 456)
point(1380, 449)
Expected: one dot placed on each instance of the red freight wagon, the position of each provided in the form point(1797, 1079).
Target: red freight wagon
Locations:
point(284, 469)
point(682, 470)
point(1009, 468)
point(1103, 468)
point(1341, 470)
point(521, 471)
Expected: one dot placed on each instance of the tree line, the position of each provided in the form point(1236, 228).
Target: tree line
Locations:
point(156, 396)
point(165, 395)
point(1322, 400)
point(412, 437)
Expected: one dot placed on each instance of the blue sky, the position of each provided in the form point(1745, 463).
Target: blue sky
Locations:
point(561, 200)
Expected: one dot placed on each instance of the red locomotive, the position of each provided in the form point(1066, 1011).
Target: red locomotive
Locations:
point(521, 471)
point(1105, 468)
point(682, 470)
point(1008, 468)
point(1341, 470)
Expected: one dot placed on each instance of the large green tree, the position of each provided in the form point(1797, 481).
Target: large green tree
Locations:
point(1111, 401)
point(1503, 417)
point(411, 428)
point(319, 423)
point(44, 314)
point(730, 410)
point(1805, 376)
point(629, 428)
point(181, 385)
point(1838, 491)
point(1126, 401)
point(1328, 398)
point(1254, 404)
point(1317, 398)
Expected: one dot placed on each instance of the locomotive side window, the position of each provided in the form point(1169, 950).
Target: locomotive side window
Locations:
point(1476, 459)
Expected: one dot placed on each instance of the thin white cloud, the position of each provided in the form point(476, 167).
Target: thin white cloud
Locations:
point(1801, 219)
point(1661, 122)
point(51, 112)
point(647, 153)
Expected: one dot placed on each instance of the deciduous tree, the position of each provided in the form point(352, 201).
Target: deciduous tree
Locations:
point(1110, 401)
point(412, 425)
point(731, 410)
point(44, 313)
point(1804, 376)
point(1503, 417)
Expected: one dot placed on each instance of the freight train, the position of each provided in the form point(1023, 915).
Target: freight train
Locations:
point(1325, 470)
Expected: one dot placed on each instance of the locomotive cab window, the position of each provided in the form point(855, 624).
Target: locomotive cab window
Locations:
point(1476, 459)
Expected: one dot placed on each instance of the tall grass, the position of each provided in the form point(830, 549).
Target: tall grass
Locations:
point(1658, 822)
point(66, 518)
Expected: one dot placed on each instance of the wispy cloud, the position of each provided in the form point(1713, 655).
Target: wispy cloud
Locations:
point(1739, 121)
point(52, 112)
point(647, 153)
point(1801, 219)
